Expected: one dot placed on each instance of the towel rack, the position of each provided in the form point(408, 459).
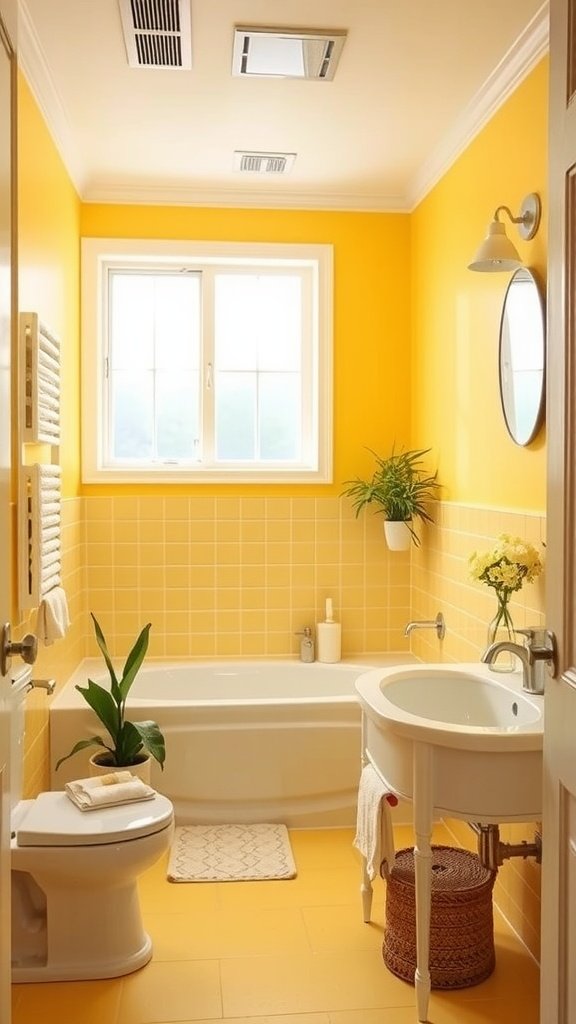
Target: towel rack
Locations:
point(40, 382)
point(39, 529)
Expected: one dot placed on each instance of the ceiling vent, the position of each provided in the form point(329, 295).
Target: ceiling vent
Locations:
point(263, 163)
point(157, 33)
point(287, 52)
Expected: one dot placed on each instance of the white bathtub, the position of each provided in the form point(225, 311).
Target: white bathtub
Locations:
point(245, 740)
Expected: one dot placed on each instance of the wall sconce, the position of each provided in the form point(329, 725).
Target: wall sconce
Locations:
point(496, 251)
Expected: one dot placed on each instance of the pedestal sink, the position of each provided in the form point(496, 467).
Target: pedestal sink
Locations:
point(456, 740)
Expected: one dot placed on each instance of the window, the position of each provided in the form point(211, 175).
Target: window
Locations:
point(206, 362)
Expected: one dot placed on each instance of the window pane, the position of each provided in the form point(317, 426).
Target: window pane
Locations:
point(177, 415)
point(132, 409)
point(258, 322)
point(235, 415)
point(235, 298)
point(279, 415)
point(177, 321)
point(280, 323)
point(131, 321)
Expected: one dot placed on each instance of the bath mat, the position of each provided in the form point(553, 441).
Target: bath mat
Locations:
point(230, 853)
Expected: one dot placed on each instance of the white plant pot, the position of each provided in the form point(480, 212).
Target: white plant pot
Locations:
point(141, 770)
point(398, 536)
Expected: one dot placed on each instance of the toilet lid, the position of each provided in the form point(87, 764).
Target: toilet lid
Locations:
point(53, 820)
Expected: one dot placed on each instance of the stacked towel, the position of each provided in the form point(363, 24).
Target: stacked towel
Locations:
point(53, 617)
point(374, 836)
point(108, 790)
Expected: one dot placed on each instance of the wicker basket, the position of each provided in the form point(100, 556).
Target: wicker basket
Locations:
point(461, 930)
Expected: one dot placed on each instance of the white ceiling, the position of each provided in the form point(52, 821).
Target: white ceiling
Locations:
point(416, 80)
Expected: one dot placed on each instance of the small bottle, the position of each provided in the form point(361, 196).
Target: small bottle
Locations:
point(329, 637)
point(306, 644)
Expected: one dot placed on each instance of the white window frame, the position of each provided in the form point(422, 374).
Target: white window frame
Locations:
point(100, 254)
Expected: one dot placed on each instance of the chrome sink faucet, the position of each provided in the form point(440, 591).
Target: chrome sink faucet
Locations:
point(536, 654)
point(438, 624)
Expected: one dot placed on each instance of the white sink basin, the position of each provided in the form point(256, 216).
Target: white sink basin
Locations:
point(484, 735)
point(460, 698)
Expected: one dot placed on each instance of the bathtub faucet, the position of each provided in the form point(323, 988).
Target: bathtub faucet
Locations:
point(306, 644)
point(438, 624)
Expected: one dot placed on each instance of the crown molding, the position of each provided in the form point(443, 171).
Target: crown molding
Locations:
point(166, 195)
point(32, 61)
point(517, 63)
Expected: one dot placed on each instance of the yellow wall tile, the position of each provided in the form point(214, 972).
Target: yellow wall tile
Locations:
point(278, 508)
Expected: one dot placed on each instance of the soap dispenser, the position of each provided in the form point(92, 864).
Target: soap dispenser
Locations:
point(329, 637)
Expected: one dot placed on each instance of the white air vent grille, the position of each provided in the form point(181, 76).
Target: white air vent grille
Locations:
point(263, 163)
point(287, 52)
point(157, 33)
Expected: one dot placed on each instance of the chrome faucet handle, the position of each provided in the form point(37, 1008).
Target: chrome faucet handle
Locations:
point(541, 646)
point(534, 634)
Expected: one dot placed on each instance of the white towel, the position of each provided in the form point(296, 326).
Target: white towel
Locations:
point(107, 790)
point(374, 836)
point(53, 618)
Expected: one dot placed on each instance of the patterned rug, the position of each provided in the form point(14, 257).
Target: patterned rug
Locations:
point(230, 853)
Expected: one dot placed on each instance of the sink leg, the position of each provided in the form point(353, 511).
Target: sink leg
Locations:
point(366, 890)
point(422, 809)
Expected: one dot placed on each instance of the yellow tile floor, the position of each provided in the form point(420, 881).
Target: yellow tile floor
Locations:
point(286, 952)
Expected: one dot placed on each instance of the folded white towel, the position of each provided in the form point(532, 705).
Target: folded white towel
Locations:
point(53, 617)
point(107, 790)
point(374, 836)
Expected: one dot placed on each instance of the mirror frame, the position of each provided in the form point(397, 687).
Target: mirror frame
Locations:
point(538, 417)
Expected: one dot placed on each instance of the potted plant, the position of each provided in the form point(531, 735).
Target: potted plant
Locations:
point(128, 743)
point(401, 490)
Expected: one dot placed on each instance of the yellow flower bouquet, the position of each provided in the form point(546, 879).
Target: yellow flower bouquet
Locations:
point(511, 563)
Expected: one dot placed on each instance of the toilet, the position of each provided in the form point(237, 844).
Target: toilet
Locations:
point(75, 906)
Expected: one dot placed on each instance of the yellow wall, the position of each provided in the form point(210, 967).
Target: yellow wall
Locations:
point(371, 313)
point(456, 313)
point(48, 269)
point(490, 485)
point(48, 262)
point(236, 570)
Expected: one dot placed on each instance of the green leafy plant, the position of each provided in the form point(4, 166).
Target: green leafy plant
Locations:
point(400, 488)
point(128, 741)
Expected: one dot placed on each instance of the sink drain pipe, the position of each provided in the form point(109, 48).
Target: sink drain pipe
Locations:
point(492, 852)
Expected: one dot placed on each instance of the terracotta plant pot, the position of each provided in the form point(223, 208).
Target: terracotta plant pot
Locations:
point(141, 769)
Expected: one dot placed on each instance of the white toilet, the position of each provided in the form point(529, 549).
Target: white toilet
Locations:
point(75, 907)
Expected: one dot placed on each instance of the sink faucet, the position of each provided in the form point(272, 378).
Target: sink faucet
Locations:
point(538, 652)
point(438, 624)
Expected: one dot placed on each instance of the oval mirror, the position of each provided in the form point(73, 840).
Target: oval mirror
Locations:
point(522, 351)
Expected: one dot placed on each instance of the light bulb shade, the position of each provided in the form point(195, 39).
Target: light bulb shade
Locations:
point(496, 253)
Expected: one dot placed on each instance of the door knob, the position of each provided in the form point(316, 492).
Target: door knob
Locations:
point(27, 649)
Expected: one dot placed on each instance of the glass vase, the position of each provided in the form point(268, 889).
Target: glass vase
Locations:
point(502, 628)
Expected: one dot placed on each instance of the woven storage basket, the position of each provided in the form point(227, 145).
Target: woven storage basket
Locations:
point(461, 929)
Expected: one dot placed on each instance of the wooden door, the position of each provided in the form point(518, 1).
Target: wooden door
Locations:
point(7, 89)
point(558, 1001)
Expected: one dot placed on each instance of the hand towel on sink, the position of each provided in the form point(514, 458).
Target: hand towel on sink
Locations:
point(107, 790)
point(374, 836)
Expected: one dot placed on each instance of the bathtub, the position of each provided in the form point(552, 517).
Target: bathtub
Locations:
point(246, 741)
